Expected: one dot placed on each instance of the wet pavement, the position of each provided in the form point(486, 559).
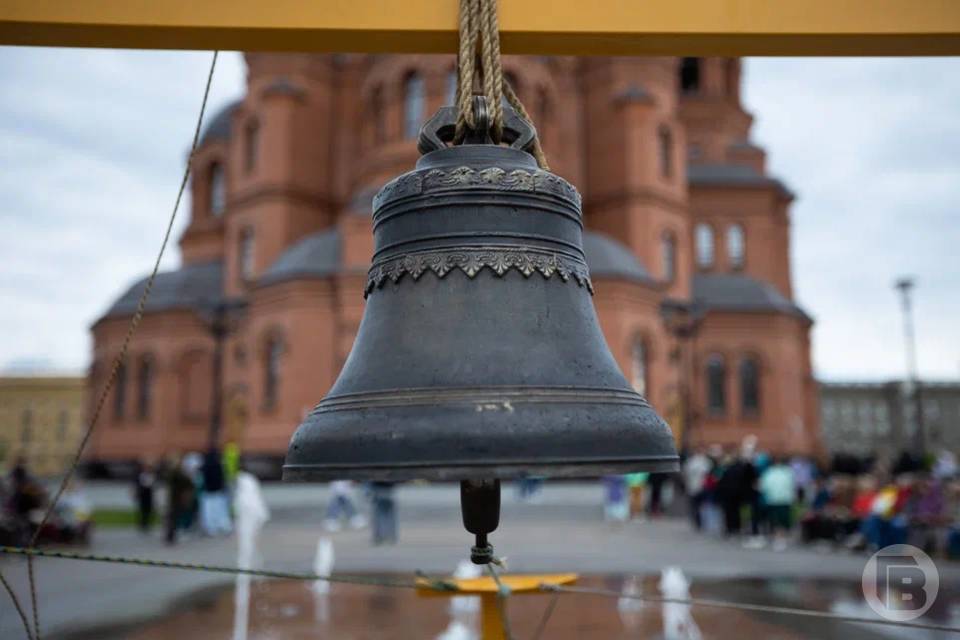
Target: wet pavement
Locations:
point(291, 610)
point(562, 532)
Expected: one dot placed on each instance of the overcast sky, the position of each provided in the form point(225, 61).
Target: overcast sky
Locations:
point(92, 145)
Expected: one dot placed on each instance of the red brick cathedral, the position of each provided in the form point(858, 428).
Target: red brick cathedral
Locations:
point(687, 242)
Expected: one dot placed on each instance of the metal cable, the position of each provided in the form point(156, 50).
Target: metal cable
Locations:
point(546, 616)
point(134, 323)
point(17, 605)
point(502, 593)
point(210, 568)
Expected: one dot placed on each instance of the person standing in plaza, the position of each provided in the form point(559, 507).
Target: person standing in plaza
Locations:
point(804, 473)
point(779, 491)
point(655, 497)
point(231, 465)
point(145, 482)
point(384, 513)
point(341, 506)
point(695, 471)
point(214, 502)
point(615, 499)
point(637, 483)
point(727, 492)
point(180, 494)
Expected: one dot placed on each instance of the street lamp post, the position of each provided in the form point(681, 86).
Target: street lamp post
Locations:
point(905, 287)
point(682, 321)
point(219, 323)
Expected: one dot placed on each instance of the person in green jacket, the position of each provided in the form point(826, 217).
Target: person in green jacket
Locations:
point(637, 482)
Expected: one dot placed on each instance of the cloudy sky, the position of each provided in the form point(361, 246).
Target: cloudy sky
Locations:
point(92, 144)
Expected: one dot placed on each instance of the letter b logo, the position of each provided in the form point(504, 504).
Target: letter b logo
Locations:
point(900, 582)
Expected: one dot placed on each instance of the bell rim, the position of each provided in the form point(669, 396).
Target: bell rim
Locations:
point(503, 470)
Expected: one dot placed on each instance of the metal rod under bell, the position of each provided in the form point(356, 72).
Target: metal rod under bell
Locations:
point(480, 507)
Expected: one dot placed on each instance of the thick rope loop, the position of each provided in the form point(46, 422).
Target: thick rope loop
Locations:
point(480, 29)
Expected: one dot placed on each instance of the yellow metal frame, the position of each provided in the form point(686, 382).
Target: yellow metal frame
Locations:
point(598, 27)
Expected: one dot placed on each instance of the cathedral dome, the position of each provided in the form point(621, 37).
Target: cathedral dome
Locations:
point(608, 258)
point(733, 292)
point(315, 256)
point(190, 287)
point(220, 124)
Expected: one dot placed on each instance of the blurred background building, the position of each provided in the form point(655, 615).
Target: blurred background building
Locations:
point(688, 242)
point(41, 420)
point(880, 418)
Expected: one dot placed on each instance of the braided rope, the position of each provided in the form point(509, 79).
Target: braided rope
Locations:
point(492, 68)
point(514, 101)
point(465, 69)
point(479, 25)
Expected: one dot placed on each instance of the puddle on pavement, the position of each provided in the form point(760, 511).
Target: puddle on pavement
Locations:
point(291, 610)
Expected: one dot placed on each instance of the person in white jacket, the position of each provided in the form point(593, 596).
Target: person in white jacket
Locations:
point(695, 472)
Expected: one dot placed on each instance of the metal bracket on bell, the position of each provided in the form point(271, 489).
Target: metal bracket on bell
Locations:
point(438, 132)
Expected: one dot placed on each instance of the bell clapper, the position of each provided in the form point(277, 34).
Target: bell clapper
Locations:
point(480, 506)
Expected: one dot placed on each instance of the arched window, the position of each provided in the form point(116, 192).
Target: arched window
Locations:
point(251, 145)
point(145, 375)
point(703, 239)
point(245, 253)
point(749, 385)
point(120, 392)
point(690, 75)
point(378, 114)
point(271, 372)
point(668, 253)
point(451, 90)
point(413, 103)
point(665, 151)
point(638, 366)
point(716, 384)
point(736, 246)
point(218, 189)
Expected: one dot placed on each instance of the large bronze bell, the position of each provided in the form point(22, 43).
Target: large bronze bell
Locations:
point(479, 356)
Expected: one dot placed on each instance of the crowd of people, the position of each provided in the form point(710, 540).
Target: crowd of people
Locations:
point(199, 489)
point(24, 502)
point(199, 495)
point(635, 496)
point(738, 493)
point(762, 500)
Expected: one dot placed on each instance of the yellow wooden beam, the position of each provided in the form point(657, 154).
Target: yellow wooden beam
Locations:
point(593, 27)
